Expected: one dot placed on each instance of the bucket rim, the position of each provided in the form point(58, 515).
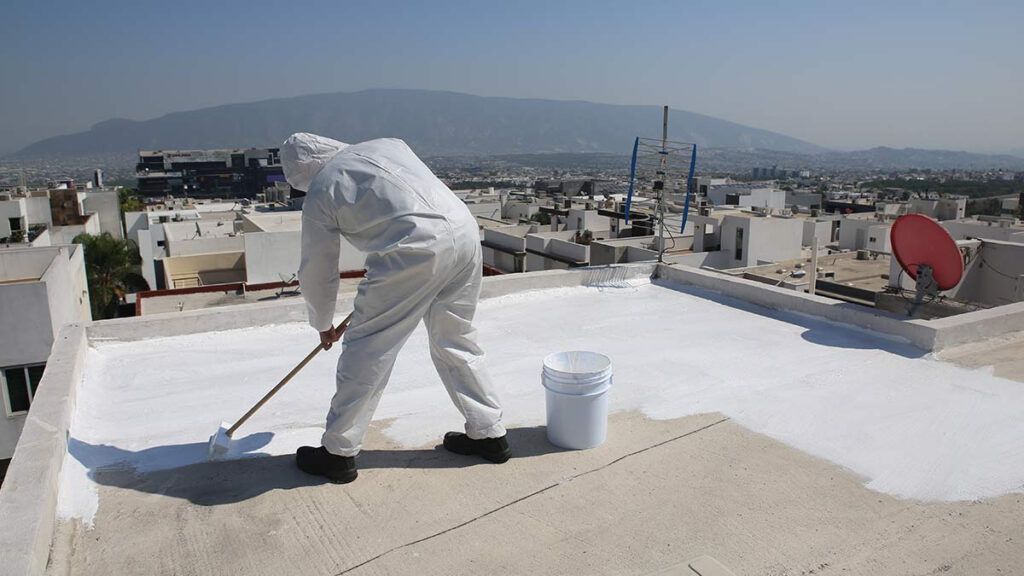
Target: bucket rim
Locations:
point(604, 358)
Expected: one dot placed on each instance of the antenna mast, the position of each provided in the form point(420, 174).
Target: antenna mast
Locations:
point(655, 163)
point(659, 184)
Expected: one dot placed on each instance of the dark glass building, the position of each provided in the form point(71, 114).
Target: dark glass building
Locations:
point(208, 173)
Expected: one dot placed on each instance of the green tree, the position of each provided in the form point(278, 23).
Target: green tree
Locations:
point(112, 267)
point(130, 201)
point(985, 207)
point(541, 218)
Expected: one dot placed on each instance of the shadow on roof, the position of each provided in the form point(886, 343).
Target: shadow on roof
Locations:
point(818, 330)
point(227, 482)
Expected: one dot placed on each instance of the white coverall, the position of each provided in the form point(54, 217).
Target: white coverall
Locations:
point(423, 262)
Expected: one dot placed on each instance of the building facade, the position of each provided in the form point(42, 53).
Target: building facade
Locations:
point(208, 173)
point(41, 289)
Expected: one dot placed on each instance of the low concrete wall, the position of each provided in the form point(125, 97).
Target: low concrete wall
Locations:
point(569, 250)
point(495, 286)
point(266, 313)
point(918, 334)
point(930, 335)
point(976, 326)
point(207, 320)
point(28, 499)
point(500, 238)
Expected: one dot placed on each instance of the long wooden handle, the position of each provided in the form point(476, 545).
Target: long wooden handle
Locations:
point(341, 330)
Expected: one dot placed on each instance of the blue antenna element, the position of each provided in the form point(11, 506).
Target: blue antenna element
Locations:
point(632, 178)
point(689, 189)
point(660, 170)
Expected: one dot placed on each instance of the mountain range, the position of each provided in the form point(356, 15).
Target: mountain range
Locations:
point(438, 124)
point(433, 123)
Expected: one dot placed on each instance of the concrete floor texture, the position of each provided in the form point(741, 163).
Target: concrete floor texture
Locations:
point(774, 443)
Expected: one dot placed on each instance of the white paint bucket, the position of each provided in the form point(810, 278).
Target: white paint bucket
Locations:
point(576, 385)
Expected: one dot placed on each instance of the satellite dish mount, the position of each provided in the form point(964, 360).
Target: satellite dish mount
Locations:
point(928, 254)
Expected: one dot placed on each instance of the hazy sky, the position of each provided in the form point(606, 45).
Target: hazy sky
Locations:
point(844, 74)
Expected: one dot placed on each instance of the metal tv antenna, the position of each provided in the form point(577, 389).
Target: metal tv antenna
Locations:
point(662, 168)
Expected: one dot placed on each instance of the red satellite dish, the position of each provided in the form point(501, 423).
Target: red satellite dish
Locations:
point(919, 241)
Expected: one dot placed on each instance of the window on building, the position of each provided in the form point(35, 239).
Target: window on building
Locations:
point(19, 387)
point(739, 244)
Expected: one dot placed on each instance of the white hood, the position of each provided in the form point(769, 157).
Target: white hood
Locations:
point(304, 154)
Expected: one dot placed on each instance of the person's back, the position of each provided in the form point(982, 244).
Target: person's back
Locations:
point(380, 196)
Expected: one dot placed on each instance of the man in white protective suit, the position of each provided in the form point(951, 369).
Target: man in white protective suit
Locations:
point(423, 261)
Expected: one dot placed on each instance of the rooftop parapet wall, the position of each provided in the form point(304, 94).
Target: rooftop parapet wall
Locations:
point(569, 250)
point(916, 333)
point(929, 335)
point(23, 264)
point(28, 499)
point(510, 239)
point(976, 326)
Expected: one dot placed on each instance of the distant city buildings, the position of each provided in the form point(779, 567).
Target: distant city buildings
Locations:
point(55, 215)
point(208, 173)
point(202, 243)
point(747, 196)
point(531, 218)
point(760, 173)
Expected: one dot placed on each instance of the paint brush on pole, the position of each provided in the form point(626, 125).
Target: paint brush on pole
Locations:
point(220, 442)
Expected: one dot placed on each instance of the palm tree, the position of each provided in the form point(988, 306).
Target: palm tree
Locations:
point(112, 268)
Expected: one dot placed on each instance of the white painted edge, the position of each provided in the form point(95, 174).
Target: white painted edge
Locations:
point(28, 498)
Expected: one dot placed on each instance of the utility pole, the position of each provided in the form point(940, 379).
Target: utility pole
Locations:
point(813, 282)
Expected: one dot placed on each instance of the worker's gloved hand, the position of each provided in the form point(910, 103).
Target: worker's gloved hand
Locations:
point(329, 337)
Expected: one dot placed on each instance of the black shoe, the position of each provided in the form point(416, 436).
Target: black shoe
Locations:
point(494, 449)
point(320, 462)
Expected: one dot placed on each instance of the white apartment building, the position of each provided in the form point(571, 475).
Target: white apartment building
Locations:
point(558, 246)
point(747, 197)
point(272, 243)
point(41, 289)
point(724, 239)
point(940, 209)
point(106, 205)
point(25, 216)
point(1004, 228)
point(90, 224)
point(161, 234)
point(99, 210)
point(517, 211)
point(864, 234)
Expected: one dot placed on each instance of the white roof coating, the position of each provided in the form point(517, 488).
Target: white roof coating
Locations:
point(909, 425)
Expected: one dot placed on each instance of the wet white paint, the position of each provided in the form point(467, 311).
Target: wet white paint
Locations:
point(911, 426)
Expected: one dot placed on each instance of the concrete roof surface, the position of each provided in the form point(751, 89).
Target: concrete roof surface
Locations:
point(655, 495)
point(866, 274)
point(194, 229)
point(775, 442)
